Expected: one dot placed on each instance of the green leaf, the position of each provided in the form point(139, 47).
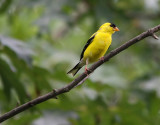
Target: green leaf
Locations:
point(24, 119)
point(18, 47)
point(4, 4)
point(10, 80)
point(40, 77)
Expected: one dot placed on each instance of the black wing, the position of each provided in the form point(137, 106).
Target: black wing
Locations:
point(86, 46)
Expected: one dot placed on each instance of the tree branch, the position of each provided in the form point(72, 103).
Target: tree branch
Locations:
point(81, 78)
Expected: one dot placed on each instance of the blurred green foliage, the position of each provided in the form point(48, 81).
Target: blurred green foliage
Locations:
point(41, 40)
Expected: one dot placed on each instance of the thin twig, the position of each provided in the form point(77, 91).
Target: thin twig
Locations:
point(154, 36)
point(78, 80)
point(82, 81)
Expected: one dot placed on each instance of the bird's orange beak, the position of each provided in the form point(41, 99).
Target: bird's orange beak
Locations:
point(116, 29)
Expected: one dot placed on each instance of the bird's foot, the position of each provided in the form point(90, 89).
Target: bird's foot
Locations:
point(102, 58)
point(87, 71)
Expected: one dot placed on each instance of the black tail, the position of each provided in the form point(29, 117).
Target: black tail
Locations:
point(75, 69)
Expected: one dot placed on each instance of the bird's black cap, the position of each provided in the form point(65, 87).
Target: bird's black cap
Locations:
point(113, 25)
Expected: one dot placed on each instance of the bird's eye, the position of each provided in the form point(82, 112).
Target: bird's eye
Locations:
point(113, 25)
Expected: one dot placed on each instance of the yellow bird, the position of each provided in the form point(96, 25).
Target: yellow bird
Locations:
point(96, 47)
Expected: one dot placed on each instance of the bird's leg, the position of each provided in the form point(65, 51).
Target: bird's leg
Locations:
point(86, 69)
point(102, 58)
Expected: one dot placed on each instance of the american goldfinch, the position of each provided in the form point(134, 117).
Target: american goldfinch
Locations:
point(96, 47)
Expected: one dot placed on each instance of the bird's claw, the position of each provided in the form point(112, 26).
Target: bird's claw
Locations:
point(87, 71)
point(102, 58)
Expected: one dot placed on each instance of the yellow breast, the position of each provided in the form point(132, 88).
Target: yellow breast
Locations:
point(98, 47)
